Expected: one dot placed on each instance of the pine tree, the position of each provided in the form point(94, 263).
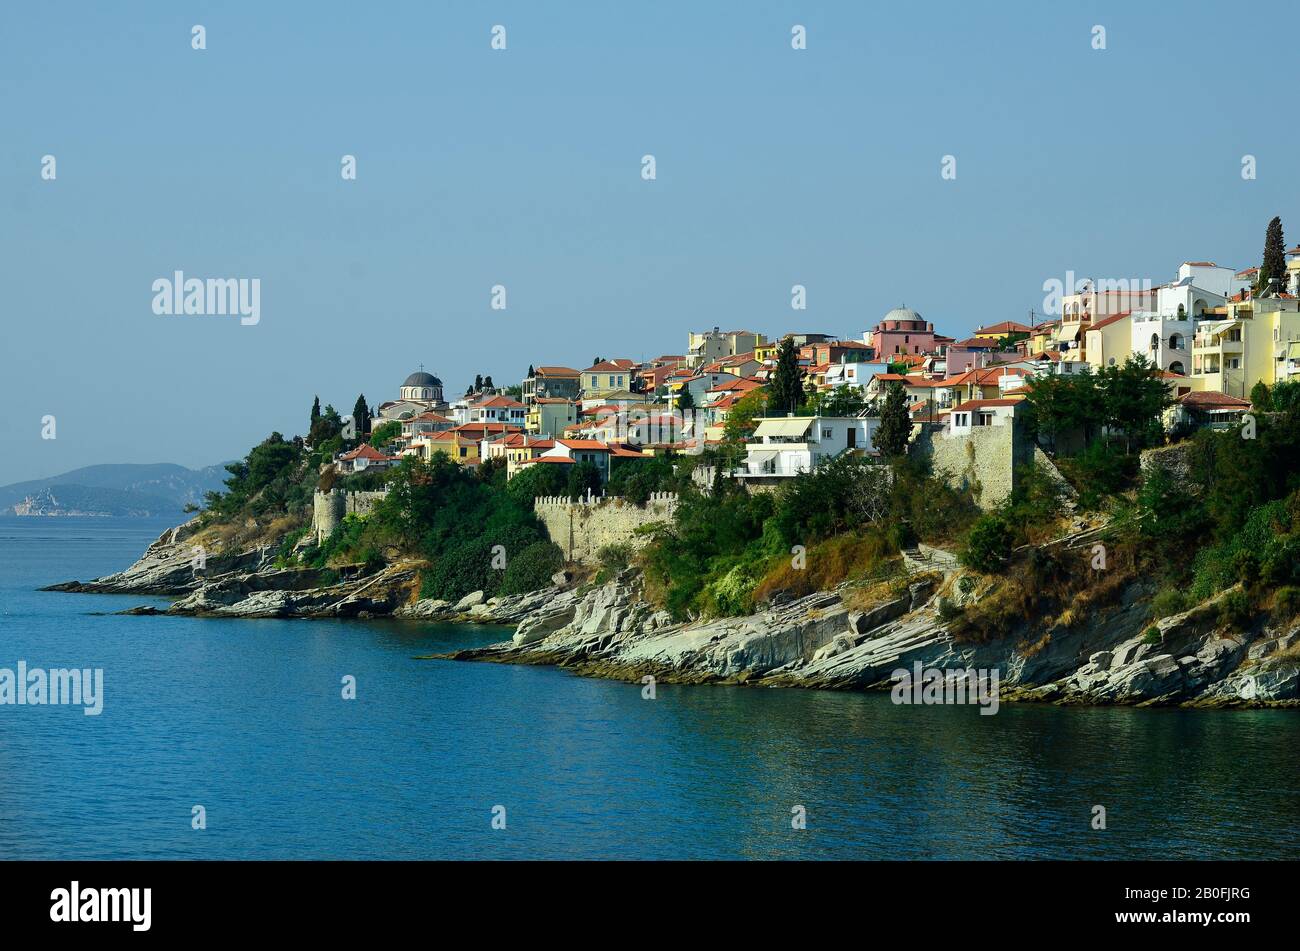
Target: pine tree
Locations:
point(684, 399)
point(1274, 264)
point(786, 391)
point(478, 382)
point(895, 423)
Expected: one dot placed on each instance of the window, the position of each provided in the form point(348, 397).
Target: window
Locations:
point(1234, 364)
point(827, 433)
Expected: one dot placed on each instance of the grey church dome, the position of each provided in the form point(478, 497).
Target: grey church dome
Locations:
point(420, 378)
point(903, 313)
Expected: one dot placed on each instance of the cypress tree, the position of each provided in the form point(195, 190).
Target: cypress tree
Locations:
point(315, 409)
point(361, 416)
point(895, 423)
point(1274, 264)
point(786, 390)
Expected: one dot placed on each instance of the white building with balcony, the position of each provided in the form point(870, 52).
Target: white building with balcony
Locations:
point(784, 446)
point(1164, 340)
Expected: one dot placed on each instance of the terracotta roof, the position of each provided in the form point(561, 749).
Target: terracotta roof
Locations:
point(982, 404)
point(1199, 264)
point(609, 366)
point(365, 451)
point(1006, 327)
point(1107, 321)
point(1212, 399)
point(556, 371)
point(549, 460)
point(499, 402)
point(583, 444)
point(466, 429)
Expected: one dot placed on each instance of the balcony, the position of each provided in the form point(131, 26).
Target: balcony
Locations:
point(1215, 344)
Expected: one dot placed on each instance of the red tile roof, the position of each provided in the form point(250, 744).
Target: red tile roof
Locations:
point(1006, 327)
point(982, 404)
point(1107, 321)
point(586, 445)
point(366, 451)
point(1212, 399)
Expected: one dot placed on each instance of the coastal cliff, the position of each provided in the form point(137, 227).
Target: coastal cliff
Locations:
point(821, 642)
point(851, 638)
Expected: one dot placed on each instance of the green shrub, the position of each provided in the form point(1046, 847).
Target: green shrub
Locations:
point(615, 557)
point(1167, 603)
point(988, 547)
point(1099, 473)
point(949, 610)
point(1286, 602)
point(1152, 636)
point(532, 568)
point(1234, 610)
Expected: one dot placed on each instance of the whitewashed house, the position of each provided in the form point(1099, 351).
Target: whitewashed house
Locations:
point(784, 446)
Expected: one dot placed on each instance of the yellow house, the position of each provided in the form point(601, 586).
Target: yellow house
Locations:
point(1041, 338)
point(766, 351)
point(606, 377)
point(998, 331)
point(458, 446)
point(1109, 341)
point(1259, 339)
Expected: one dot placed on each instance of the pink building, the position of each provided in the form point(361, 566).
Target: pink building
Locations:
point(901, 331)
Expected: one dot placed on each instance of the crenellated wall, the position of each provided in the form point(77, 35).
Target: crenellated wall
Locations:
point(584, 527)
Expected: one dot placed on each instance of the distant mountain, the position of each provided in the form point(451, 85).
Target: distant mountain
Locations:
point(127, 490)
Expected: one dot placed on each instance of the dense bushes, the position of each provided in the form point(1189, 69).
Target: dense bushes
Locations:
point(729, 550)
point(477, 534)
point(1099, 473)
point(532, 568)
point(264, 481)
point(989, 544)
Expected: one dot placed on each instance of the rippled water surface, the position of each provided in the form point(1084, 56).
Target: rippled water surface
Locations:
point(246, 719)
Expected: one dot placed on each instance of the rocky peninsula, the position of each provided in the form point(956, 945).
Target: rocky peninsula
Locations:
point(850, 638)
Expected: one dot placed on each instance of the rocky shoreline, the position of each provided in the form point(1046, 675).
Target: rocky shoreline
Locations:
point(817, 642)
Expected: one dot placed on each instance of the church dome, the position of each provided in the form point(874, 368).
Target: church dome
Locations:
point(420, 378)
point(903, 313)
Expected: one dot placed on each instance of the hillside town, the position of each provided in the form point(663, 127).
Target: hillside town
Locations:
point(1212, 334)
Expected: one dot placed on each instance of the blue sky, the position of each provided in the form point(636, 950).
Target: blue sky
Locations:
point(475, 167)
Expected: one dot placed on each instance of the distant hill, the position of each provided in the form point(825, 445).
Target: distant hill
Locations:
point(126, 490)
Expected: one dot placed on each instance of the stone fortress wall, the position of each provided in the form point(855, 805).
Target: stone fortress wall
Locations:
point(584, 527)
point(329, 509)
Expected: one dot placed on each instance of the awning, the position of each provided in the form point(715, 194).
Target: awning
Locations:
point(790, 426)
point(1067, 332)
